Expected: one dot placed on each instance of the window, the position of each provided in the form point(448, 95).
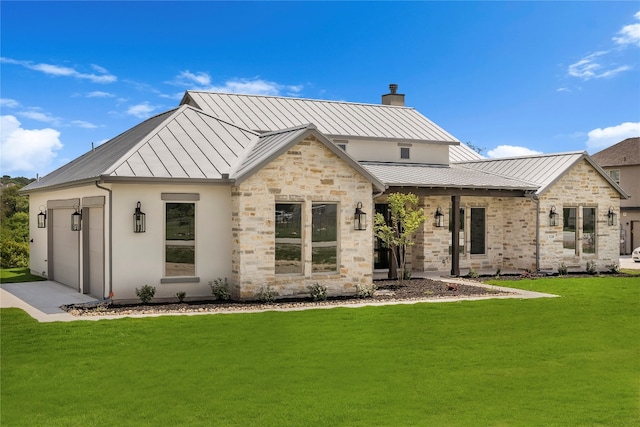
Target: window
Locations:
point(615, 175)
point(180, 232)
point(569, 230)
point(404, 153)
point(461, 233)
point(324, 238)
point(478, 231)
point(288, 238)
point(343, 147)
point(589, 230)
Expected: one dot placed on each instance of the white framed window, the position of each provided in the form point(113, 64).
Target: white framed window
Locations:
point(615, 175)
point(405, 153)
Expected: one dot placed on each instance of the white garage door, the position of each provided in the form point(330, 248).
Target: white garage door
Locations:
point(65, 250)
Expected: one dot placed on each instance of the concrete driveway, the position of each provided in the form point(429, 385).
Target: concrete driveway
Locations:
point(627, 262)
point(42, 300)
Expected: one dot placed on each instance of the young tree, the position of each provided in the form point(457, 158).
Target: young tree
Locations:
point(405, 219)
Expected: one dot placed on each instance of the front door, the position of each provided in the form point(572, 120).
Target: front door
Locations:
point(380, 253)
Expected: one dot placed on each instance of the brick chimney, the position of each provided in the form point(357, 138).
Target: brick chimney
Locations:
point(393, 98)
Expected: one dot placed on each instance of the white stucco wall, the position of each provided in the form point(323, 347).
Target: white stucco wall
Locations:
point(387, 151)
point(138, 258)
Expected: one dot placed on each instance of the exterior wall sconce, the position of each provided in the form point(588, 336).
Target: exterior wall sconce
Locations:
point(612, 218)
point(439, 217)
point(553, 217)
point(42, 218)
point(76, 219)
point(139, 220)
point(359, 218)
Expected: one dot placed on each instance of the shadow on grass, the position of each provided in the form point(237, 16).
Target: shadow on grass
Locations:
point(18, 275)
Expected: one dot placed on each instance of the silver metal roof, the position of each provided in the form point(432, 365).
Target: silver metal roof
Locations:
point(543, 169)
point(461, 153)
point(437, 176)
point(333, 118)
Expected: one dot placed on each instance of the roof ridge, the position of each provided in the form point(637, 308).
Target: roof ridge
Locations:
point(303, 99)
point(529, 156)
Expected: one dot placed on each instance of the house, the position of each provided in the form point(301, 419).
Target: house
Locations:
point(269, 191)
point(622, 162)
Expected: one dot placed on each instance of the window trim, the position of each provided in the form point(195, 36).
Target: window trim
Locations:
point(302, 239)
point(190, 199)
point(406, 150)
point(337, 241)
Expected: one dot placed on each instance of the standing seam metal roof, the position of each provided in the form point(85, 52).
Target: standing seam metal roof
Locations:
point(333, 118)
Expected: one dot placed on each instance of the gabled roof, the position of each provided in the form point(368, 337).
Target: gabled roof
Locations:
point(180, 143)
point(268, 146)
point(334, 119)
point(439, 176)
point(542, 170)
point(624, 153)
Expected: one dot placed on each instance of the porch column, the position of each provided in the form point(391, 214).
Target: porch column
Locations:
point(455, 236)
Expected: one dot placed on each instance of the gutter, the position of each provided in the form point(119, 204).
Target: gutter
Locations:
point(110, 238)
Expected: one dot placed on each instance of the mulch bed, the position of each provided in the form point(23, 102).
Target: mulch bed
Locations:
point(387, 291)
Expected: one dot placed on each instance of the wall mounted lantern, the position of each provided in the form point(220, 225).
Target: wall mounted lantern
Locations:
point(139, 220)
point(42, 218)
point(359, 218)
point(76, 219)
point(439, 217)
point(612, 217)
point(553, 217)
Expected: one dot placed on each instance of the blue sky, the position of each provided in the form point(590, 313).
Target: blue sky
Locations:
point(510, 77)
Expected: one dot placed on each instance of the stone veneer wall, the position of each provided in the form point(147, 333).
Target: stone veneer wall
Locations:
point(308, 172)
point(581, 187)
point(510, 235)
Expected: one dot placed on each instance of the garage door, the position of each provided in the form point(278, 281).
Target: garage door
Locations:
point(65, 250)
point(95, 243)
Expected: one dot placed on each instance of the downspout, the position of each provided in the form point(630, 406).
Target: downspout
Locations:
point(535, 199)
point(110, 238)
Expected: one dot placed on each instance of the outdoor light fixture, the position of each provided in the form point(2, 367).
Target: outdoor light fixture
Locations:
point(42, 218)
point(553, 217)
point(359, 218)
point(612, 217)
point(76, 219)
point(439, 217)
point(139, 220)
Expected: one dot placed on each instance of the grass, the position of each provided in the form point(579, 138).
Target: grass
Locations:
point(546, 362)
point(16, 275)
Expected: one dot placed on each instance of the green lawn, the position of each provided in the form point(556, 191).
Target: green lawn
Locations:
point(569, 361)
point(15, 275)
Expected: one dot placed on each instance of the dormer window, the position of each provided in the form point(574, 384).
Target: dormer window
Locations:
point(343, 147)
point(405, 153)
point(341, 144)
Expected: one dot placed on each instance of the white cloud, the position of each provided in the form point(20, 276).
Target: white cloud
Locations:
point(29, 150)
point(511, 151)
point(629, 34)
point(9, 103)
point(600, 138)
point(59, 71)
point(249, 86)
point(39, 116)
point(83, 124)
point(100, 94)
point(590, 67)
point(141, 110)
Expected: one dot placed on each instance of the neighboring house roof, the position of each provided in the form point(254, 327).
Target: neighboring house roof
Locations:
point(333, 118)
point(183, 143)
point(436, 176)
point(624, 153)
point(542, 170)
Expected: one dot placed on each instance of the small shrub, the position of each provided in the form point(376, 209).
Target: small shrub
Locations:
point(366, 291)
point(318, 292)
point(180, 295)
point(406, 275)
point(562, 270)
point(591, 267)
point(498, 271)
point(614, 268)
point(267, 294)
point(473, 273)
point(220, 288)
point(146, 293)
